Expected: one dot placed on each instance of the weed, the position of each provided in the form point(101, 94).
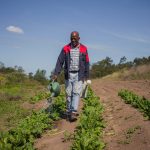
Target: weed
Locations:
point(68, 136)
point(127, 141)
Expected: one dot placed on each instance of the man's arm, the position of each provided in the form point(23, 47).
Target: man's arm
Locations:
point(59, 64)
point(87, 66)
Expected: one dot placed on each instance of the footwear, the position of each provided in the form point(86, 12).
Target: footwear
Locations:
point(75, 113)
point(68, 115)
point(73, 116)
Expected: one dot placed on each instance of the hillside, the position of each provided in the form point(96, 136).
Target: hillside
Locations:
point(134, 73)
point(16, 90)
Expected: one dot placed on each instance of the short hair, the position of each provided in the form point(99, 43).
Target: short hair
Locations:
point(75, 32)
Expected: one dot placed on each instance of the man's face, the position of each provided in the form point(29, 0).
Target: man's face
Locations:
point(74, 39)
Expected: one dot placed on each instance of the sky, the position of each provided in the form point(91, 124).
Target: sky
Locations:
point(33, 32)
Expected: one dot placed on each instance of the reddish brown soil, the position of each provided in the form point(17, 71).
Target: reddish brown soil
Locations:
point(55, 139)
point(126, 128)
point(121, 118)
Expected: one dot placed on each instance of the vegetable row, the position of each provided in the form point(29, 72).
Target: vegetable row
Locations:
point(22, 137)
point(88, 134)
point(136, 101)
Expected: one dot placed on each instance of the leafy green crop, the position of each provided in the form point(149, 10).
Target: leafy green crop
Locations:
point(89, 129)
point(39, 96)
point(138, 102)
point(58, 107)
point(22, 137)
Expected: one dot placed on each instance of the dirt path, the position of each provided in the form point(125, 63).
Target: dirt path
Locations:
point(54, 140)
point(125, 129)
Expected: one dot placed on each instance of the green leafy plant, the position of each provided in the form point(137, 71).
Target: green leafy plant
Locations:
point(39, 96)
point(22, 137)
point(68, 136)
point(89, 130)
point(58, 107)
point(136, 101)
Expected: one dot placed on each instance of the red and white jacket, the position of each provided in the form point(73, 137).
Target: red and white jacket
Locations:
point(64, 59)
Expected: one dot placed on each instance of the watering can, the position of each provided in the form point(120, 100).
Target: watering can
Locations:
point(54, 88)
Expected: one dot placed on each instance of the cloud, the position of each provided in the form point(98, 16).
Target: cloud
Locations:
point(136, 39)
point(15, 29)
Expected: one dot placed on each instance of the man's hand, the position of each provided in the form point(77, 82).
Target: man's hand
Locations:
point(54, 77)
point(88, 82)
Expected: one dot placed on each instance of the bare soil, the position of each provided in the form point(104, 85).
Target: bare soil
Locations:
point(126, 128)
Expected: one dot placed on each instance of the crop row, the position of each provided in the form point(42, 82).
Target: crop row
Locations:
point(22, 137)
point(39, 96)
point(89, 130)
point(136, 101)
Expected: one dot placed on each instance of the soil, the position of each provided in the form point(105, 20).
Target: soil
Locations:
point(126, 128)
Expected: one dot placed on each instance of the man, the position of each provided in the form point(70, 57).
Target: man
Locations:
point(75, 58)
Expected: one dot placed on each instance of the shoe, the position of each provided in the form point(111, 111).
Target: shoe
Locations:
point(68, 115)
point(73, 116)
point(75, 113)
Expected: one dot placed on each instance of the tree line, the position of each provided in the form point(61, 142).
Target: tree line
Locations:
point(106, 66)
point(17, 74)
point(97, 70)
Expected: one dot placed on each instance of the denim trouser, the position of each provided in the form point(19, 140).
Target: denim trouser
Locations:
point(73, 91)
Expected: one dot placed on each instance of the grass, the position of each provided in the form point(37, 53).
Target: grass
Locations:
point(10, 114)
point(141, 72)
point(12, 96)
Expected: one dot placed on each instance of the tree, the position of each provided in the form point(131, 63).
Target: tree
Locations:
point(102, 68)
point(60, 77)
point(30, 75)
point(123, 60)
point(20, 69)
point(40, 76)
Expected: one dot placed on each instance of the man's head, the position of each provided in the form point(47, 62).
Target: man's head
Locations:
point(74, 37)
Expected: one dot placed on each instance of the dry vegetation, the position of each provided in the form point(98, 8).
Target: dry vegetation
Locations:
point(134, 73)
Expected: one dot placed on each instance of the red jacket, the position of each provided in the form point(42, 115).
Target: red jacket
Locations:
point(64, 59)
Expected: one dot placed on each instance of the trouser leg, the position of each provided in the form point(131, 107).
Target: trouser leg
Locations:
point(68, 85)
point(68, 103)
point(75, 101)
point(77, 89)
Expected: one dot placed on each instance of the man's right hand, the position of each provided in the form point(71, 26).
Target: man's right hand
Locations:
point(54, 77)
